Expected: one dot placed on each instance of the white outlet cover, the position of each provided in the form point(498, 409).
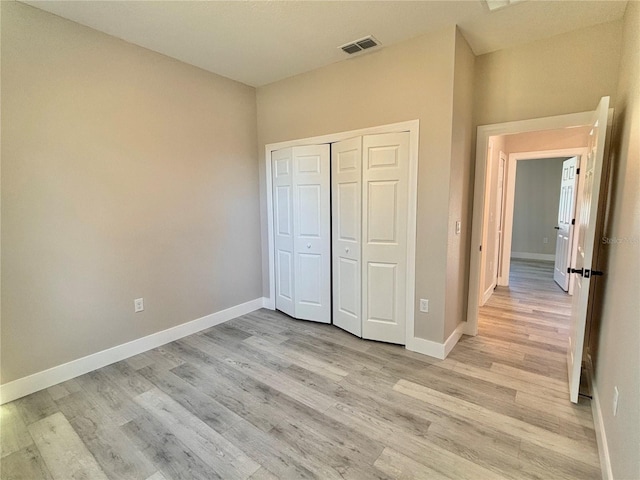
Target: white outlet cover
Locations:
point(616, 395)
point(424, 305)
point(138, 305)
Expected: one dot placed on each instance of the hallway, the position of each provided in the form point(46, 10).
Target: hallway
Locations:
point(530, 316)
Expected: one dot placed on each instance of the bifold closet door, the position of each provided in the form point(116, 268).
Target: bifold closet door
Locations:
point(346, 205)
point(385, 196)
point(282, 165)
point(301, 202)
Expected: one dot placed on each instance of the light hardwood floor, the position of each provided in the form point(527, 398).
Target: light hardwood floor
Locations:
point(264, 396)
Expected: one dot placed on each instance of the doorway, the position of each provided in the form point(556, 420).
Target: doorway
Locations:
point(597, 123)
point(518, 158)
point(482, 207)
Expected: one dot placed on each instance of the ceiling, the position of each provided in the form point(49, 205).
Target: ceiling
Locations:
point(260, 42)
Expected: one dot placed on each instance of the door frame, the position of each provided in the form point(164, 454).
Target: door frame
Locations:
point(482, 146)
point(413, 127)
point(509, 199)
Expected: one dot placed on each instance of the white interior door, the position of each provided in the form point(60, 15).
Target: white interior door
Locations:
point(301, 202)
point(586, 231)
point(346, 205)
point(565, 227)
point(282, 166)
point(502, 163)
point(385, 171)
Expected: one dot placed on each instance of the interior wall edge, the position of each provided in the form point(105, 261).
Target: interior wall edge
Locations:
point(601, 433)
point(436, 349)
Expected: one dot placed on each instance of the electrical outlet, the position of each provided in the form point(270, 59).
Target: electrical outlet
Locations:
point(138, 305)
point(616, 394)
point(424, 305)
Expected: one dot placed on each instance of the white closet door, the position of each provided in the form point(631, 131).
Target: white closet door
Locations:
point(282, 165)
point(385, 176)
point(312, 232)
point(346, 196)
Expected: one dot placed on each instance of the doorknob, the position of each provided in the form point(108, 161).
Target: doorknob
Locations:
point(557, 228)
point(579, 271)
point(592, 273)
point(308, 245)
point(346, 249)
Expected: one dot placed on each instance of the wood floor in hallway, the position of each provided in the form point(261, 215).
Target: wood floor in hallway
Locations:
point(265, 396)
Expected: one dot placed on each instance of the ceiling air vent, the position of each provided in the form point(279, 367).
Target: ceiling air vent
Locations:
point(498, 4)
point(360, 45)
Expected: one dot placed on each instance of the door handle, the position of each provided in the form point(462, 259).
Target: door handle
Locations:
point(557, 228)
point(579, 271)
point(346, 249)
point(592, 273)
point(308, 245)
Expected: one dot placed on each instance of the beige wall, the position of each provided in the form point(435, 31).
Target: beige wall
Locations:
point(618, 356)
point(535, 209)
point(411, 80)
point(564, 74)
point(125, 174)
point(460, 187)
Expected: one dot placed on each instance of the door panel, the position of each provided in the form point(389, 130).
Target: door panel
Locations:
point(381, 301)
point(346, 191)
point(283, 207)
point(283, 210)
point(566, 208)
point(586, 231)
point(285, 275)
point(308, 287)
point(382, 212)
point(384, 246)
point(348, 211)
point(348, 291)
point(312, 233)
point(309, 199)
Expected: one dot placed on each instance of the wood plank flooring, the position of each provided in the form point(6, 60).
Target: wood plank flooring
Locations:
point(265, 397)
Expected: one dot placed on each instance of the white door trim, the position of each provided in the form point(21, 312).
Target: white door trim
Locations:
point(482, 143)
point(413, 127)
point(509, 199)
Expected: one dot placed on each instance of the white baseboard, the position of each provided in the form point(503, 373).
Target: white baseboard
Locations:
point(453, 338)
point(547, 257)
point(269, 303)
point(436, 349)
point(24, 386)
point(487, 294)
point(601, 434)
